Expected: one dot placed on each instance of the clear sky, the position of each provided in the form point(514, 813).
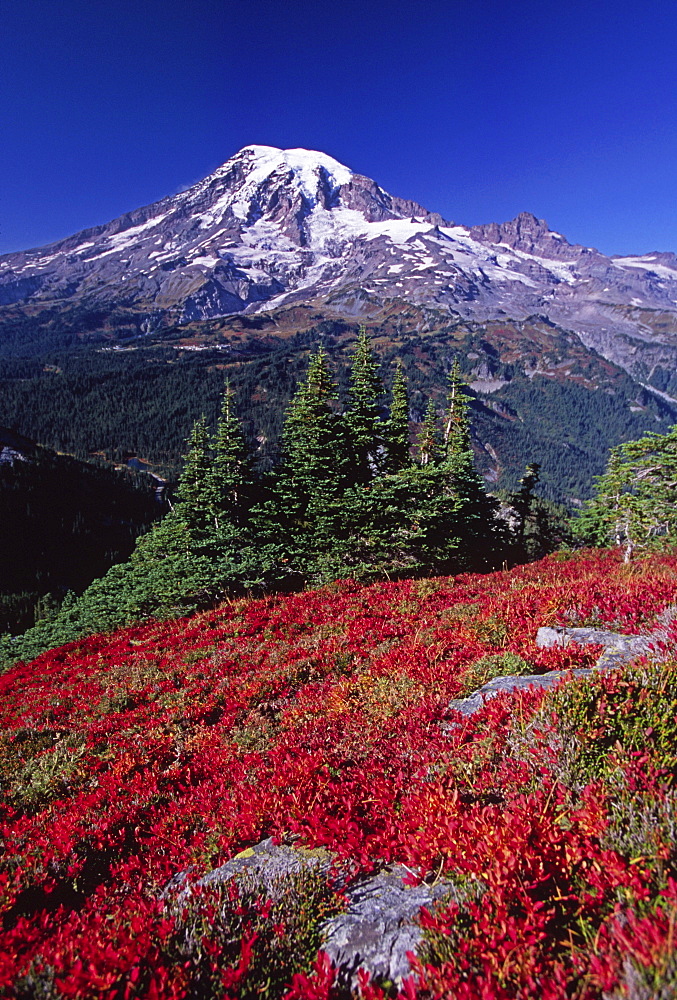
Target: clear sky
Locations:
point(478, 109)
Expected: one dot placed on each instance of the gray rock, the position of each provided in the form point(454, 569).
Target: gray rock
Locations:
point(618, 647)
point(380, 926)
point(266, 862)
point(509, 683)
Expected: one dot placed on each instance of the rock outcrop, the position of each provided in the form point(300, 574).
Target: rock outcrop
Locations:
point(379, 926)
point(618, 649)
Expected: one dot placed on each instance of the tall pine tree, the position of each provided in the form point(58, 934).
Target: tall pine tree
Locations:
point(363, 417)
point(457, 424)
point(313, 446)
point(230, 472)
point(428, 439)
point(397, 426)
point(195, 493)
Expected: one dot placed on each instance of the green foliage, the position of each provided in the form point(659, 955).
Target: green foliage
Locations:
point(340, 505)
point(428, 441)
point(635, 502)
point(314, 442)
point(494, 665)
point(196, 494)
point(363, 416)
point(456, 429)
point(397, 425)
point(603, 720)
point(537, 525)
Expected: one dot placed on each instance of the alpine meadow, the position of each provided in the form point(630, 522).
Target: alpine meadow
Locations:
point(339, 603)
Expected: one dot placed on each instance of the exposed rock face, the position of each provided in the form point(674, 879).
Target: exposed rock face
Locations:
point(275, 227)
point(266, 862)
point(380, 926)
point(618, 647)
point(501, 685)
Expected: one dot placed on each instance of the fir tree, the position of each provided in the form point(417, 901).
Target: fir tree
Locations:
point(230, 467)
point(314, 455)
point(522, 500)
point(397, 427)
point(195, 493)
point(301, 518)
point(428, 439)
point(635, 503)
point(363, 417)
point(476, 524)
point(457, 426)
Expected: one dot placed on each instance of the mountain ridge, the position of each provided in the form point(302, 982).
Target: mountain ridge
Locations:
point(567, 351)
point(272, 228)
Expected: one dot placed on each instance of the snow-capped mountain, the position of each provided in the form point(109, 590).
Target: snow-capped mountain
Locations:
point(275, 227)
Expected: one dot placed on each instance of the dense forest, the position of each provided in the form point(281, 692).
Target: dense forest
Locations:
point(351, 497)
point(140, 397)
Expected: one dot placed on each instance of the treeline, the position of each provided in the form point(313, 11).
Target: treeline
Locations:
point(351, 498)
point(143, 400)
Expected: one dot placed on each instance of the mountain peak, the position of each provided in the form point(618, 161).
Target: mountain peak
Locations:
point(275, 227)
point(305, 166)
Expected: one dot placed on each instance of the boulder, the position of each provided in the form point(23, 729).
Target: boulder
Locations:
point(380, 926)
point(376, 931)
point(618, 648)
point(509, 683)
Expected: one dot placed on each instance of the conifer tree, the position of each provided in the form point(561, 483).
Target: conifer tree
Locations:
point(522, 502)
point(635, 505)
point(363, 417)
point(397, 427)
point(476, 523)
point(195, 492)
point(428, 438)
point(313, 438)
point(457, 425)
point(229, 469)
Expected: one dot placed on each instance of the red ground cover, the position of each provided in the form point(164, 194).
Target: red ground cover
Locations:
point(323, 719)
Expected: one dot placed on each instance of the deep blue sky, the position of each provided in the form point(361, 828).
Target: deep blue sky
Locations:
point(478, 109)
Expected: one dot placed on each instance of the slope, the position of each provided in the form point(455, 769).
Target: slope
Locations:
point(134, 764)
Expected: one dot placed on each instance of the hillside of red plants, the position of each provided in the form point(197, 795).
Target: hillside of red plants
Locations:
point(322, 719)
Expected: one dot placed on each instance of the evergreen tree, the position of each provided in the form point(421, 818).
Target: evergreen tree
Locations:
point(397, 426)
point(635, 502)
point(479, 531)
point(522, 501)
point(363, 417)
point(195, 493)
point(301, 518)
point(314, 453)
point(428, 439)
point(457, 424)
point(230, 471)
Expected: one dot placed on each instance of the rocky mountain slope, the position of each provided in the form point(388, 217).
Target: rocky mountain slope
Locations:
point(273, 228)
